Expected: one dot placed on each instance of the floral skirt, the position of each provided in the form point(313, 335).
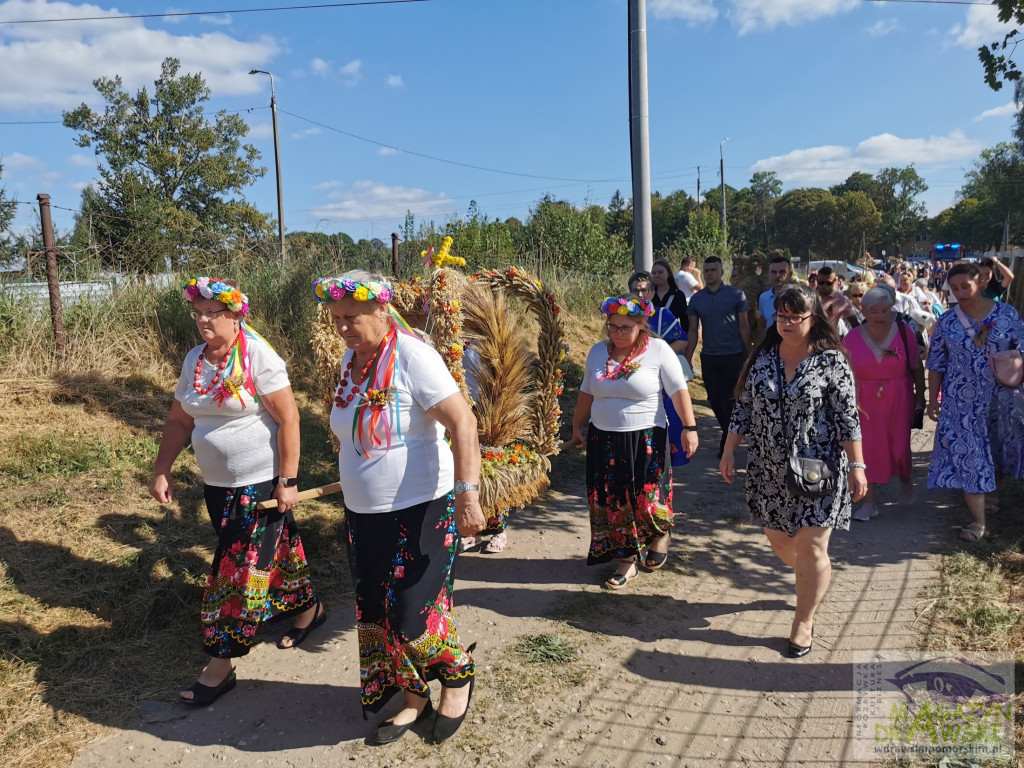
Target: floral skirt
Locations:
point(402, 569)
point(259, 569)
point(629, 489)
point(496, 523)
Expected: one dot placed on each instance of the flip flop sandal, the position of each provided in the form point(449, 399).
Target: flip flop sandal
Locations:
point(619, 580)
point(972, 532)
point(298, 634)
point(204, 695)
point(496, 544)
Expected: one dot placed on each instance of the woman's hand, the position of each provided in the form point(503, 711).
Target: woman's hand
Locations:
point(727, 465)
point(690, 442)
point(469, 518)
point(858, 482)
point(933, 410)
point(579, 436)
point(161, 488)
point(287, 497)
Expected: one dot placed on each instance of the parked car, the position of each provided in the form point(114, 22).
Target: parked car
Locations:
point(848, 271)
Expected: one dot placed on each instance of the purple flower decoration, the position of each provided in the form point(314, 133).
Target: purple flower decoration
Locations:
point(349, 284)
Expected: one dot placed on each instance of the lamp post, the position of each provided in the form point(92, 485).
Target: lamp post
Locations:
point(721, 161)
point(277, 161)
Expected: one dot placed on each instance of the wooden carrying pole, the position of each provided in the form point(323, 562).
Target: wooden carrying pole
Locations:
point(312, 493)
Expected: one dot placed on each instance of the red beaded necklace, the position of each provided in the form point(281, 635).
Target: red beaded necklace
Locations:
point(196, 385)
point(341, 400)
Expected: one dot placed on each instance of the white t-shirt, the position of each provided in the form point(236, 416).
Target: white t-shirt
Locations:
point(625, 405)
point(686, 283)
point(234, 445)
point(420, 466)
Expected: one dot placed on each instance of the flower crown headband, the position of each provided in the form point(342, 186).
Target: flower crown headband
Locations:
point(336, 288)
point(631, 307)
point(215, 288)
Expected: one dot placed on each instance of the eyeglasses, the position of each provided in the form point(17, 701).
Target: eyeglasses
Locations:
point(648, 289)
point(201, 314)
point(620, 328)
point(856, 295)
point(826, 282)
point(790, 319)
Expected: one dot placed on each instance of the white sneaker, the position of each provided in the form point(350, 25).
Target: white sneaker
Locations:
point(865, 513)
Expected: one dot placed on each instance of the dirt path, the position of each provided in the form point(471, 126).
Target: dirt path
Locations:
point(682, 668)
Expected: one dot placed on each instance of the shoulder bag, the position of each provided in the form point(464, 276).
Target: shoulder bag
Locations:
point(918, 422)
point(1007, 366)
point(805, 477)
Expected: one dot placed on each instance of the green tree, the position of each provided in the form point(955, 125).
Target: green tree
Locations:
point(971, 222)
point(855, 214)
point(857, 182)
point(619, 220)
point(896, 199)
point(803, 220)
point(7, 208)
point(669, 217)
point(703, 238)
point(174, 173)
point(997, 59)
point(571, 238)
point(997, 181)
point(765, 188)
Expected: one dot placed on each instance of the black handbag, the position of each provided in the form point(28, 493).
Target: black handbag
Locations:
point(805, 477)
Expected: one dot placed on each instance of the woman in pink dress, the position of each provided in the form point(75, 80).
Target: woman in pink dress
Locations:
point(887, 368)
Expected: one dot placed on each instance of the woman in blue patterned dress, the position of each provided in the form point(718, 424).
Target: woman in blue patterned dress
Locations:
point(802, 358)
point(980, 430)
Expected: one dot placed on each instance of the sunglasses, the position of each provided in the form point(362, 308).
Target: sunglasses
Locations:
point(826, 282)
point(856, 295)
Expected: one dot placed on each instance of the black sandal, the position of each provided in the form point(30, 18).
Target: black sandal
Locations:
point(618, 580)
point(298, 634)
point(204, 695)
point(655, 560)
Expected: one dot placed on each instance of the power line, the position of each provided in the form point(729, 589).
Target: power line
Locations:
point(933, 2)
point(442, 159)
point(178, 14)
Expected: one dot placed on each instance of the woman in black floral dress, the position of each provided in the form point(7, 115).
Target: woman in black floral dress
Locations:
point(816, 417)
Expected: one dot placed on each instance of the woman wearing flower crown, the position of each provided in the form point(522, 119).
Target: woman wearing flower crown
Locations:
point(234, 401)
point(980, 428)
point(408, 499)
point(621, 418)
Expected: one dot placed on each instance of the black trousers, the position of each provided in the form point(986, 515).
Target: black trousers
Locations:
point(720, 373)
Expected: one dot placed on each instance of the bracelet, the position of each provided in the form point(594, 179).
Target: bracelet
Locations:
point(857, 465)
point(689, 429)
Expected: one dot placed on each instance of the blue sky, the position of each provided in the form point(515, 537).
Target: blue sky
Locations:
point(536, 89)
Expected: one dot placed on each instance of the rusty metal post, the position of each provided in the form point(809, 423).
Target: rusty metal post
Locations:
point(60, 338)
point(394, 255)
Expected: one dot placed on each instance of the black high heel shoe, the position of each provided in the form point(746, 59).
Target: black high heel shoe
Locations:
point(445, 727)
point(388, 732)
point(795, 651)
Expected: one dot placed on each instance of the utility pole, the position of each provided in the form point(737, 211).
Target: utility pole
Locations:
point(277, 162)
point(698, 191)
point(721, 167)
point(639, 137)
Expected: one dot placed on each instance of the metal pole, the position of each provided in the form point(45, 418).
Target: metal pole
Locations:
point(277, 162)
point(52, 281)
point(394, 255)
point(639, 137)
point(721, 168)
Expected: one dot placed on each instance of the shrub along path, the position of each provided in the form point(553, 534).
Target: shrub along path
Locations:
point(683, 667)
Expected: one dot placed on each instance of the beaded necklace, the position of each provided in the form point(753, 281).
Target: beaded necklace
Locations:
point(341, 400)
point(197, 385)
point(626, 368)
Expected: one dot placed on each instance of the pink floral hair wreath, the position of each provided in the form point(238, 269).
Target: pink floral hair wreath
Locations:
point(337, 288)
point(215, 288)
point(615, 305)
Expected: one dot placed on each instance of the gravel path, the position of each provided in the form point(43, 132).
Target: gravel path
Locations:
point(683, 667)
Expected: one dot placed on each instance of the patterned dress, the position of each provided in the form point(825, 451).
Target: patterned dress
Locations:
point(819, 410)
point(981, 424)
point(885, 393)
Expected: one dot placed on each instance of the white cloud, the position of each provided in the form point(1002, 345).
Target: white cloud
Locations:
point(823, 166)
point(16, 162)
point(1003, 111)
point(305, 133)
point(56, 63)
point(81, 161)
point(884, 27)
point(328, 185)
point(387, 151)
point(758, 15)
point(352, 72)
point(980, 27)
point(692, 11)
point(395, 81)
point(365, 200)
point(260, 131)
point(320, 67)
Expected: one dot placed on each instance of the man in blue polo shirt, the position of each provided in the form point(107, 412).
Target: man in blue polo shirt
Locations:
point(779, 272)
point(722, 311)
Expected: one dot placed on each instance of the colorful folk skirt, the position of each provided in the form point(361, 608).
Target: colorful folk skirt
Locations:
point(259, 569)
point(402, 570)
point(629, 489)
point(496, 523)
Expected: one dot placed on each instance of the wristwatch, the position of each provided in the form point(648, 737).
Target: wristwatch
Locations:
point(461, 487)
point(288, 482)
point(690, 429)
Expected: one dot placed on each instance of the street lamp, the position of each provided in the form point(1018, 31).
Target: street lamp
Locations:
point(721, 161)
point(277, 161)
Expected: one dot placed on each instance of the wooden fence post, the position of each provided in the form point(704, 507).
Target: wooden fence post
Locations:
point(53, 283)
